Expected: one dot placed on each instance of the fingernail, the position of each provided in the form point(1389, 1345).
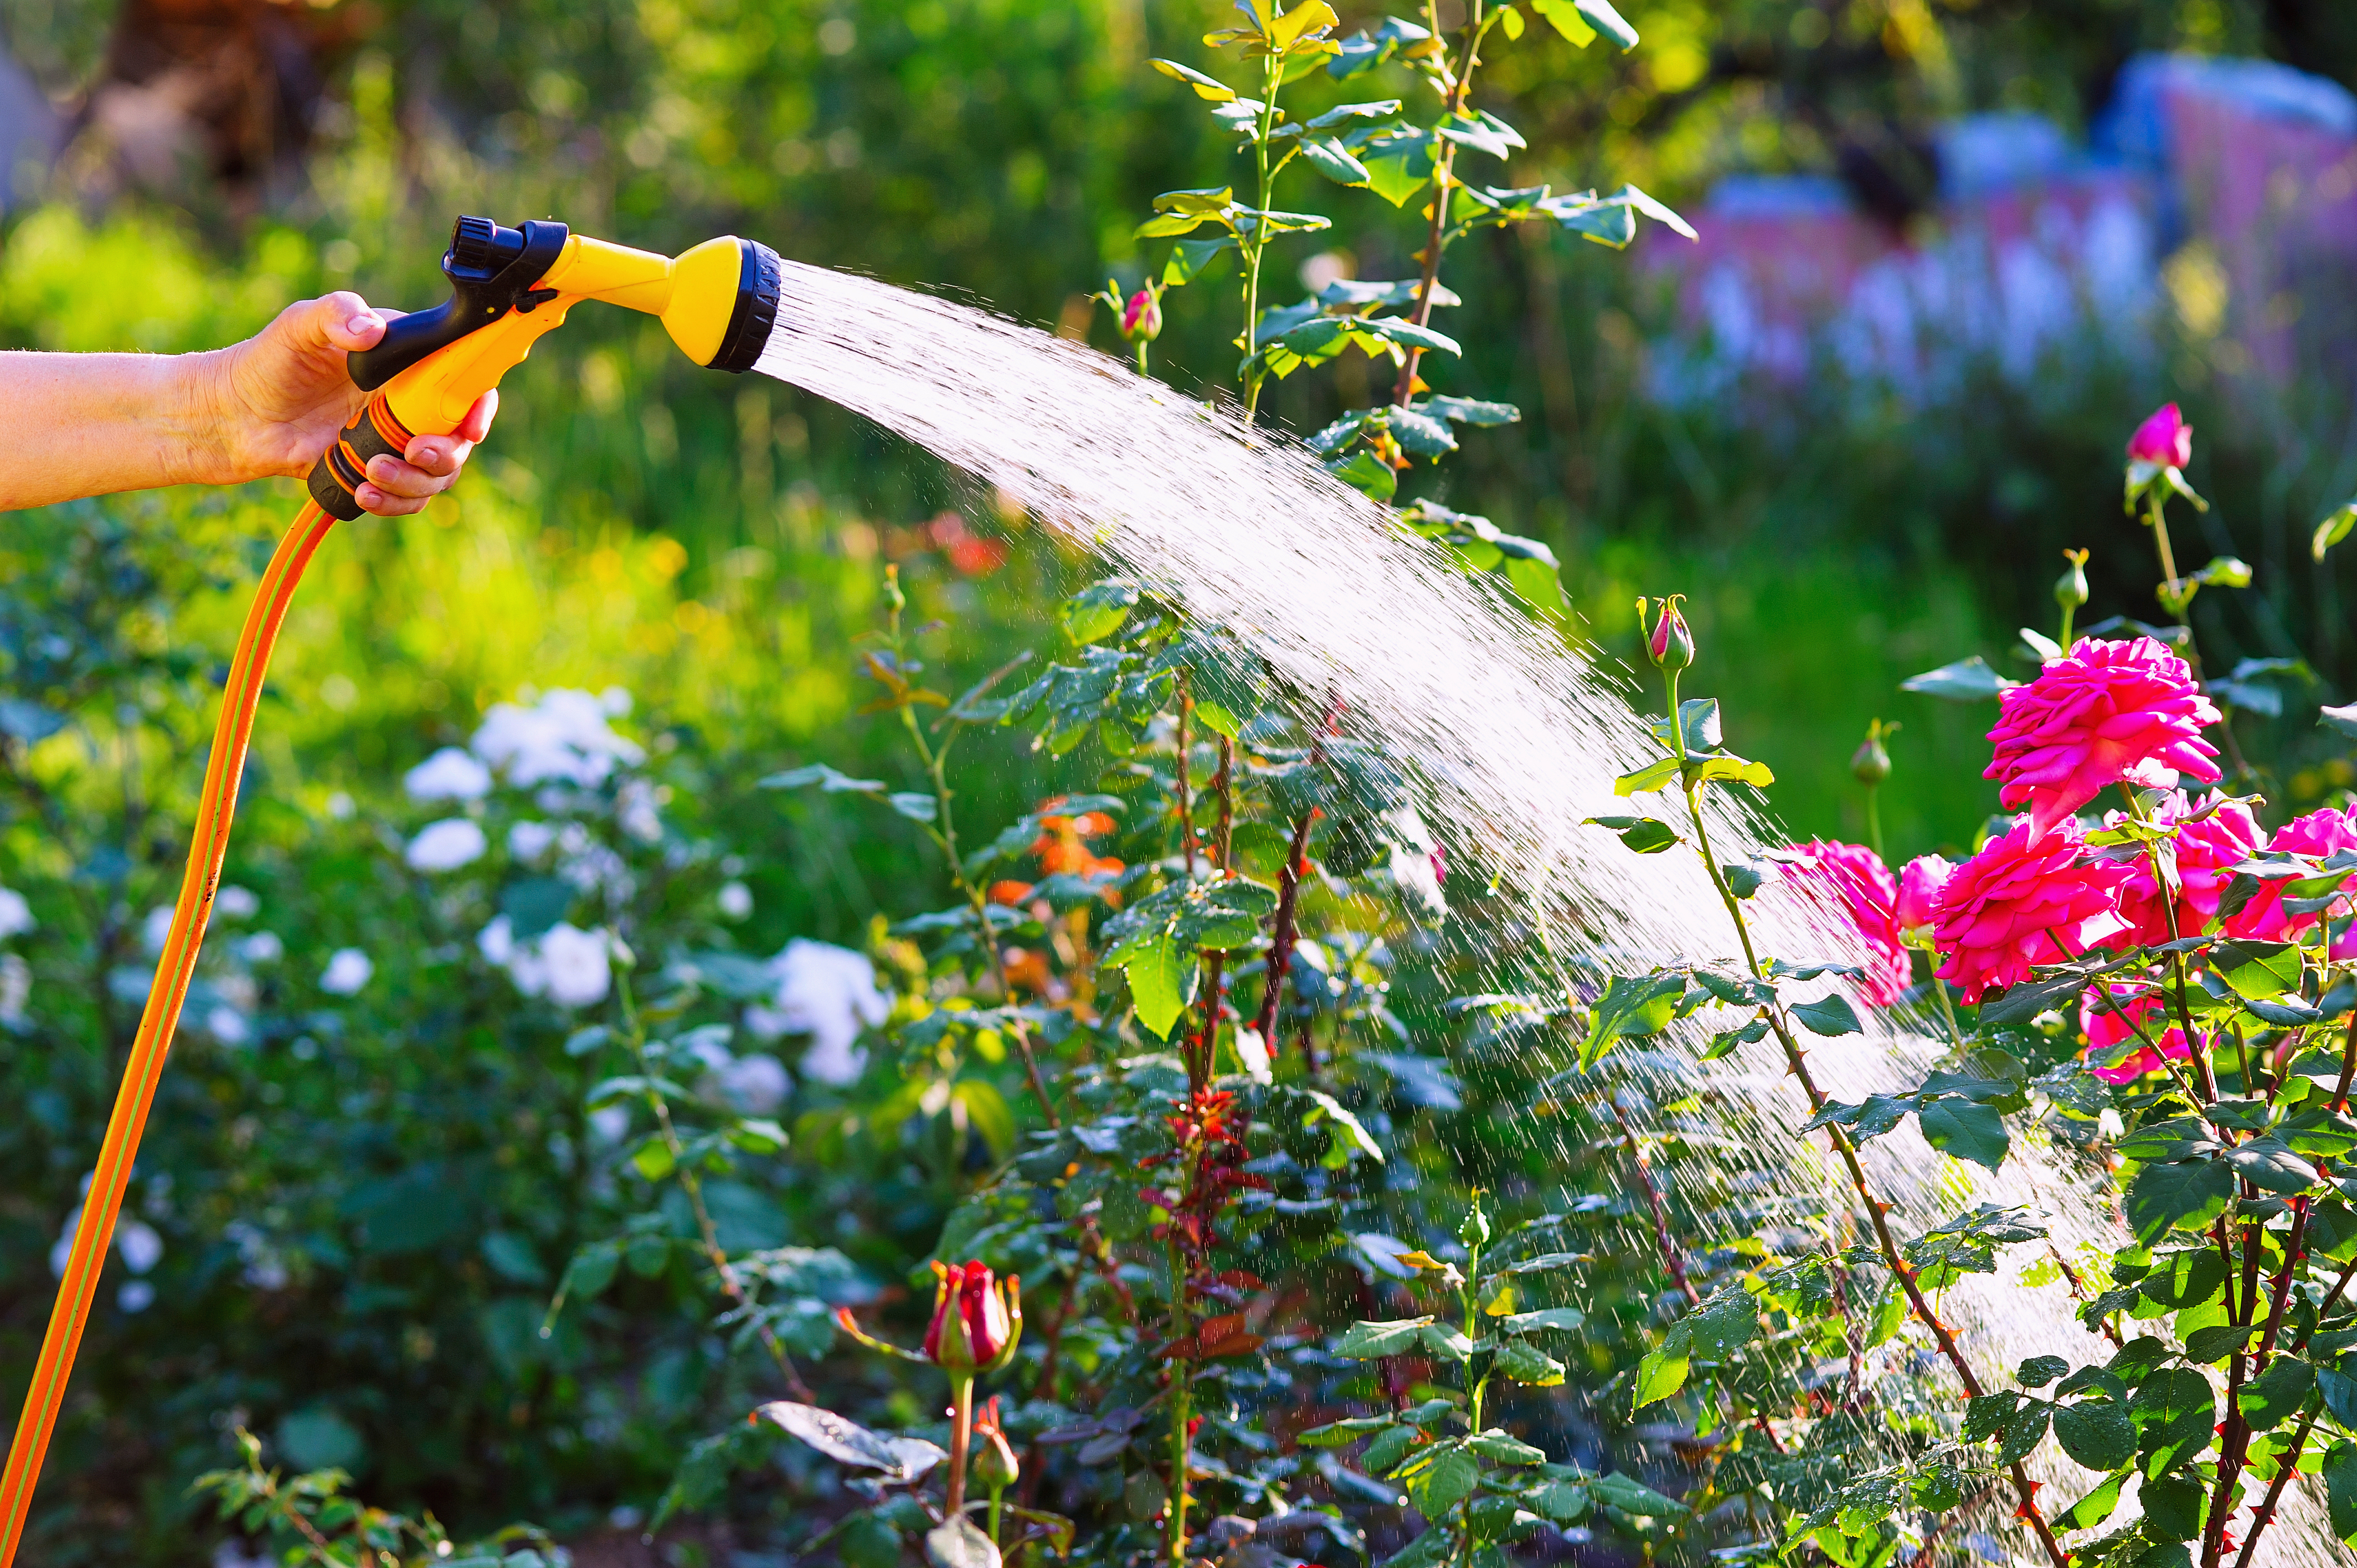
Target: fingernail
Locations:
point(368, 495)
point(360, 323)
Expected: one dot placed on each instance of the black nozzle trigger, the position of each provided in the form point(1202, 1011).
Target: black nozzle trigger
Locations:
point(477, 299)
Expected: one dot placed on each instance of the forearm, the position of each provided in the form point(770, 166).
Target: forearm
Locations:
point(87, 424)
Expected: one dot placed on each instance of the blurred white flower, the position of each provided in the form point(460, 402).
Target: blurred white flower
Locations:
point(155, 930)
point(140, 1247)
point(598, 869)
point(563, 737)
point(15, 915)
point(829, 993)
point(235, 903)
point(736, 900)
point(137, 1295)
point(610, 1123)
point(347, 969)
point(616, 701)
point(572, 967)
point(228, 1025)
point(450, 774)
point(339, 805)
point(755, 1085)
point(528, 839)
point(634, 808)
point(15, 988)
point(446, 846)
point(263, 947)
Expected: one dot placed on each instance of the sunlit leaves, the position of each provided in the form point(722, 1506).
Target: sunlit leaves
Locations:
point(1725, 1322)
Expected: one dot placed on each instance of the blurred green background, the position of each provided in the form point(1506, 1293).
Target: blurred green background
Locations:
point(716, 545)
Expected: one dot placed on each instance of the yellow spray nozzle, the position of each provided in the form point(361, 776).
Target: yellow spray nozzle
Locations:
point(718, 301)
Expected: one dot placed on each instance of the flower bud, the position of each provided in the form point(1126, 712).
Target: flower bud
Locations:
point(2163, 440)
point(1142, 317)
point(995, 1463)
point(2070, 588)
point(1474, 1230)
point(976, 1321)
point(1919, 889)
point(1870, 763)
point(1668, 643)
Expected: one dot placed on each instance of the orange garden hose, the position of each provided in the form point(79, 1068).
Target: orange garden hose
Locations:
point(95, 1231)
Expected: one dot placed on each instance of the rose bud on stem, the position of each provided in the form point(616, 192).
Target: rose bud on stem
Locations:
point(1870, 765)
point(994, 1465)
point(977, 1322)
point(2070, 592)
point(1671, 646)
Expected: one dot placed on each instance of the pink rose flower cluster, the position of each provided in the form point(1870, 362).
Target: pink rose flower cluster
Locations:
point(1849, 883)
point(2130, 1012)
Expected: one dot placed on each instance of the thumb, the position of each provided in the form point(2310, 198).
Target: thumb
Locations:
point(341, 320)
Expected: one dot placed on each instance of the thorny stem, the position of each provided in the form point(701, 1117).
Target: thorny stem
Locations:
point(1181, 1375)
point(688, 1182)
point(1875, 1210)
point(2157, 515)
point(1456, 92)
point(2079, 1293)
point(961, 1443)
point(1282, 934)
point(2263, 1515)
point(1186, 811)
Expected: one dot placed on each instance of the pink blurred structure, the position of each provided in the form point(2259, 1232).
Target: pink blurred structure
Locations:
point(2038, 249)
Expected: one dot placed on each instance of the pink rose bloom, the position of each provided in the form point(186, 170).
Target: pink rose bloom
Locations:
point(2105, 1028)
point(1849, 881)
point(2002, 910)
point(2105, 713)
point(1919, 884)
point(2164, 440)
point(2320, 835)
point(2207, 852)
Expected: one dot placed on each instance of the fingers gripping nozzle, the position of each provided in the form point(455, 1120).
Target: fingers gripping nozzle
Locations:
point(719, 301)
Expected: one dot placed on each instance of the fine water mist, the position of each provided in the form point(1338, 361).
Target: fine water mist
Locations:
point(1511, 738)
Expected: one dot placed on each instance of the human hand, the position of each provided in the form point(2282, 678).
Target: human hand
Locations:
point(277, 401)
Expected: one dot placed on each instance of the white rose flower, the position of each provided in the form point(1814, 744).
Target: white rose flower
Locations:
point(736, 900)
point(829, 993)
point(347, 969)
point(446, 846)
point(578, 965)
point(497, 942)
point(15, 915)
point(563, 737)
point(263, 947)
point(235, 903)
point(137, 1295)
point(142, 1249)
point(228, 1025)
point(449, 774)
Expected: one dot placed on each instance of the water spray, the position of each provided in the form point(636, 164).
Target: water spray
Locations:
point(718, 301)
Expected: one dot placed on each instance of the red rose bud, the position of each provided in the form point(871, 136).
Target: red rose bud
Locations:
point(994, 1465)
point(2165, 440)
point(1142, 317)
point(1668, 643)
point(976, 1320)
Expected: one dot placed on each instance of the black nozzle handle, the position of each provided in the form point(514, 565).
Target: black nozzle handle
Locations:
point(479, 294)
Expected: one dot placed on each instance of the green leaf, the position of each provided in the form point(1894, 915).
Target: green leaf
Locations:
point(1189, 258)
point(1564, 1319)
point(917, 808)
point(1633, 1006)
point(2276, 1395)
point(1526, 1363)
point(1727, 767)
point(1367, 474)
point(826, 777)
point(1384, 1455)
point(2177, 1197)
point(2267, 1163)
point(2172, 1508)
point(1722, 1324)
point(2339, 1474)
point(2343, 720)
point(1501, 1449)
point(2096, 1506)
point(1646, 835)
point(1333, 160)
point(1448, 1480)
point(1368, 1341)
point(2174, 1410)
point(1660, 1375)
point(1966, 681)
point(1097, 611)
point(2333, 529)
point(960, 1544)
point(1654, 776)
point(2096, 1433)
point(1829, 1016)
point(1958, 1127)
point(1335, 1433)
point(1209, 89)
point(1161, 983)
point(1601, 16)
